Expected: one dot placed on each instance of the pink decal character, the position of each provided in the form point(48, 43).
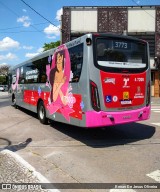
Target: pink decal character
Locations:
point(59, 80)
point(15, 83)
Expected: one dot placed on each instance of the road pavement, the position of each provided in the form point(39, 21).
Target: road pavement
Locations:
point(15, 173)
point(58, 153)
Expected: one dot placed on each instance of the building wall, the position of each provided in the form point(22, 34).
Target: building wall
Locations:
point(157, 52)
point(141, 22)
point(157, 33)
point(112, 20)
point(66, 25)
point(87, 20)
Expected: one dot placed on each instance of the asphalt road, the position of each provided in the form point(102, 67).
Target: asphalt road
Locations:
point(121, 154)
point(4, 99)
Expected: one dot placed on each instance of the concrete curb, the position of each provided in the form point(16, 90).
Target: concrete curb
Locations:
point(14, 169)
point(3, 93)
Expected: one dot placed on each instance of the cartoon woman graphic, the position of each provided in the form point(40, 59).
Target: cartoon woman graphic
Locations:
point(15, 81)
point(59, 80)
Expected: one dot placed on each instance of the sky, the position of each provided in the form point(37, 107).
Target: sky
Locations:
point(23, 31)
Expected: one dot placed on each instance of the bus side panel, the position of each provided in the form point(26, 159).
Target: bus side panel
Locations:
point(27, 95)
point(63, 115)
point(84, 83)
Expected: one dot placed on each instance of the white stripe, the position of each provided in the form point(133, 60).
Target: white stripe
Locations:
point(155, 109)
point(122, 190)
point(155, 175)
point(158, 124)
point(121, 64)
point(24, 163)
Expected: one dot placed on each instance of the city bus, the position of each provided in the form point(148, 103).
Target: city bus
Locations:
point(96, 80)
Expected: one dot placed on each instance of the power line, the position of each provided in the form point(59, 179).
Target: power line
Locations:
point(39, 14)
point(17, 15)
point(24, 31)
point(9, 9)
point(21, 32)
point(8, 28)
point(143, 9)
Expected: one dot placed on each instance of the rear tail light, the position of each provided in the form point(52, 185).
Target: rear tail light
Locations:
point(148, 98)
point(94, 96)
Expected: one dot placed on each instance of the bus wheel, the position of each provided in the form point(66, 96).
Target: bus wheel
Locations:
point(42, 113)
point(14, 101)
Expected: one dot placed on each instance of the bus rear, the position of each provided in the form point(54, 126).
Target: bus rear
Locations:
point(119, 81)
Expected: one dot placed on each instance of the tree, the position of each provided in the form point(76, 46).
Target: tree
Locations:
point(4, 70)
point(4, 73)
point(51, 45)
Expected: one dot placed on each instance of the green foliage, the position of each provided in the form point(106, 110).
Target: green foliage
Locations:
point(51, 45)
point(4, 74)
point(2, 80)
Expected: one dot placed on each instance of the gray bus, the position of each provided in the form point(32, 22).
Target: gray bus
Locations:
point(93, 81)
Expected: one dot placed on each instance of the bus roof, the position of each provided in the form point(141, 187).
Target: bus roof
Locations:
point(50, 52)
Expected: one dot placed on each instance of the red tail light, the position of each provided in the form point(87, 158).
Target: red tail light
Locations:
point(148, 98)
point(94, 96)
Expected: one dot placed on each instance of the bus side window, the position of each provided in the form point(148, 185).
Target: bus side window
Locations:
point(76, 58)
point(31, 72)
point(43, 78)
point(41, 66)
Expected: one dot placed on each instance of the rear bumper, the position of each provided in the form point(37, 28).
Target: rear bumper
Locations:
point(99, 119)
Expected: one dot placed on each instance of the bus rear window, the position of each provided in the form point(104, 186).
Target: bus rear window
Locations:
point(121, 54)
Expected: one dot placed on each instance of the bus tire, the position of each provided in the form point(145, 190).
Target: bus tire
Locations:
point(14, 102)
point(42, 113)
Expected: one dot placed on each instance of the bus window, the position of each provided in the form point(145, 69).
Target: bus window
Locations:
point(76, 58)
point(121, 54)
point(22, 76)
point(41, 66)
point(32, 73)
point(100, 49)
point(35, 72)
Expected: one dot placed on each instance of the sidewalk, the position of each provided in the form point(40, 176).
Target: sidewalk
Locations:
point(4, 94)
point(18, 175)
point(14, 169)
point(155, 100)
